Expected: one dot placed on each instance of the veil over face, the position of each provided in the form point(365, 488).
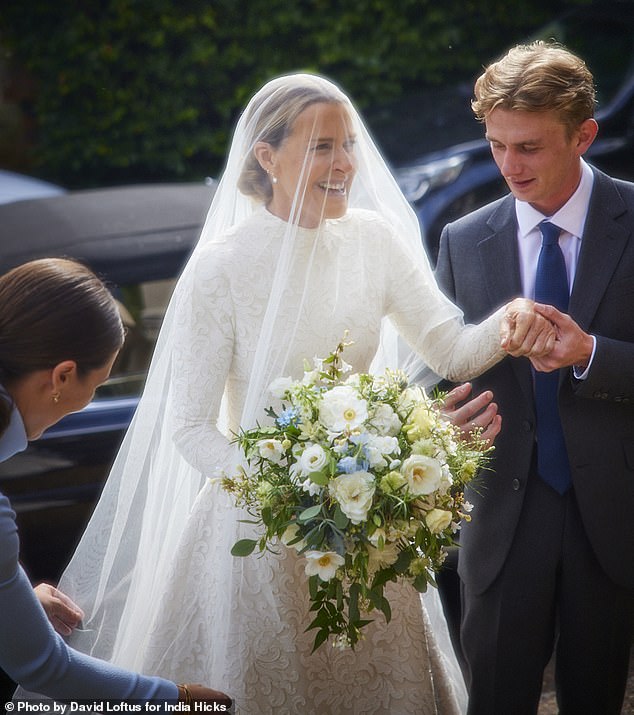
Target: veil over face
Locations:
point(301, 153)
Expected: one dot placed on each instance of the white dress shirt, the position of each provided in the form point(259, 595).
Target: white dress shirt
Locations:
point(571, 219)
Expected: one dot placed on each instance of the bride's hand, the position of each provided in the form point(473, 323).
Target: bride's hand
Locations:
point(525, 332)
point(479, 413)
point(63, 613)
point(194, 692)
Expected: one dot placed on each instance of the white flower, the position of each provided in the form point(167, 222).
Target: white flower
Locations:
point(438, 520)
point(381, 558)
point(376, 447)
point(280, 386)
point(423, 474)
point(323, 564)
point(311, 377)
point(385, 420)
point(309, 486)
point(354, 492)
point(313, 459)
point(291, 532)
point(341, 408)
point(271, 450)
point(409, 398)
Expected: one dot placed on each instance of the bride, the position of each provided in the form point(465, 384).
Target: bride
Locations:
point(307, 236)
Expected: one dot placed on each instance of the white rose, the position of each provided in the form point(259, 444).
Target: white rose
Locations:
point(271, 450)
point(438, 520)
point(341, 408)
point(423, 474)
point(313, 459)
point(323, 564)
point(280, 386)
point(353, 492)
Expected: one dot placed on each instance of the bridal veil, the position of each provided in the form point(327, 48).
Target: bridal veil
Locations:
point(125, 555)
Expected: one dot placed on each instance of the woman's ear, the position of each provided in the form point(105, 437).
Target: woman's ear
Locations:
point(265, 155)
point(62, 373)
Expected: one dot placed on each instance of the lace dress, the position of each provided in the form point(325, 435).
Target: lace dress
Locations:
point(260, 604)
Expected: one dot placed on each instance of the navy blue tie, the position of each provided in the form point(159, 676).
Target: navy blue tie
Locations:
point(551, 287)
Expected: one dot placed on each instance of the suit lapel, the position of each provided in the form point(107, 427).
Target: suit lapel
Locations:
point(604, 239)
point(500, 267)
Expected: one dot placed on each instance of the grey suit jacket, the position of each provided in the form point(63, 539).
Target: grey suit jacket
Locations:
point(478, 268)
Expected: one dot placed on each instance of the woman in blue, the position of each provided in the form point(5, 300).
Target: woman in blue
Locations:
point(60, 333)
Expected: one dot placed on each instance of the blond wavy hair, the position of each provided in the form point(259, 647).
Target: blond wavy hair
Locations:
point(537, 77)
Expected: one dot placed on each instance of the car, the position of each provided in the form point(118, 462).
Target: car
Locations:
point(453, 172)
point(17, 187)
point(137, 238)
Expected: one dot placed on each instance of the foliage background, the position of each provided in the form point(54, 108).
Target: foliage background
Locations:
point(114, 91)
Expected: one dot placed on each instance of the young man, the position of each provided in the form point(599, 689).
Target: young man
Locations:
point(548, 557)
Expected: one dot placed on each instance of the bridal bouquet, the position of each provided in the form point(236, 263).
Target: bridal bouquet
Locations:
point(364, 478)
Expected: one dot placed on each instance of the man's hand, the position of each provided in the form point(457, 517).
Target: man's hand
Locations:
point(64, 614)
point(479, 413)
point(572, 346)
point(526, 332)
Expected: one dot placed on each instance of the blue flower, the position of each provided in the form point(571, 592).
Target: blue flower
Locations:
point(288, 417)
point(348, 465)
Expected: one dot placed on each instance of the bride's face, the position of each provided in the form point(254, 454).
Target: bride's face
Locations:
point(316, 164)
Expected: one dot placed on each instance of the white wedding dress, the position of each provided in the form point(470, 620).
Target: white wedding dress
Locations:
point(238, 624)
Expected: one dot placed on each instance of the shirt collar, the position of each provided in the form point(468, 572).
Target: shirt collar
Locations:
point(14, 438)
point(571, 217)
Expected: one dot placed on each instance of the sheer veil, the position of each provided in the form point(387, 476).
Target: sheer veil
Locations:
point(128, 550)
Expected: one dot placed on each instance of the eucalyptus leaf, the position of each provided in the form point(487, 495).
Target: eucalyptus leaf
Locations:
point(244, 547)
point(341, 520)
point(309, 513)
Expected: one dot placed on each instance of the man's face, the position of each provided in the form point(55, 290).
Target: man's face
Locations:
point(537, 155)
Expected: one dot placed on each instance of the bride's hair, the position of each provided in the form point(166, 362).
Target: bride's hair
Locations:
point(270, 117)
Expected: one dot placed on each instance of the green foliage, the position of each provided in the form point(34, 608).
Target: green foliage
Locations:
point(149, 89)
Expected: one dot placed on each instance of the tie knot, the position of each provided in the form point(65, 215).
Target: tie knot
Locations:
point(550, 233)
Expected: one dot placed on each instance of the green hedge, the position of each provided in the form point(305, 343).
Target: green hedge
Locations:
point(143, 90)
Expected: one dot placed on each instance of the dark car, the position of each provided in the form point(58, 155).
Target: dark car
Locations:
point(454, 172)
point(137, 238)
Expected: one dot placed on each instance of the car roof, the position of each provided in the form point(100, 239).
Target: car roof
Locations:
point(124, 233)
point(14, 187)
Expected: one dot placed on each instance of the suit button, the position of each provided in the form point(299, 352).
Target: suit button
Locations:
point(516, 484)
point(527, 425)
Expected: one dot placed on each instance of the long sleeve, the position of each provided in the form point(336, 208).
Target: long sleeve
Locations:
point(202, 356)
point(433, 326)
point(37, 658)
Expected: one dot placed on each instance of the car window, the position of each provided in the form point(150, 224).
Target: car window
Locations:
point(142, 307)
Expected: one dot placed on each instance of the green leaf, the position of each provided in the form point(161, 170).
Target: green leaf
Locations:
point(244, 547)
point(420, 583)
point(353, 605)
point(309, 513)
point(320, 638)
point(341, 520)
point(320, 478)
point(402, 562)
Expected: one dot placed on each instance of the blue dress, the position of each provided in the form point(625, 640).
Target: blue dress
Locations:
point(31, 652)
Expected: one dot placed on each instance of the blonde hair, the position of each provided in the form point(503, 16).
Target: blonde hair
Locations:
point(270, 117)
point(537, 77)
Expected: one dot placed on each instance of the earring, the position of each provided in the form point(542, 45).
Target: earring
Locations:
point(273, 177)
point(56, 397)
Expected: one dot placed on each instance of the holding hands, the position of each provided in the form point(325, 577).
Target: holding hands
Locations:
point(549, 338)
point(525, 332)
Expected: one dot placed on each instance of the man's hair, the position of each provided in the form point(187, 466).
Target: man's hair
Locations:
point(537, 77)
